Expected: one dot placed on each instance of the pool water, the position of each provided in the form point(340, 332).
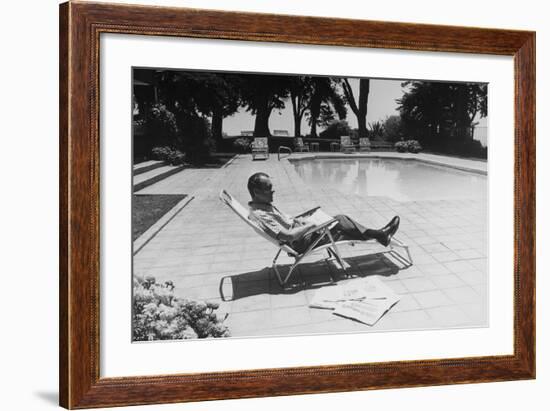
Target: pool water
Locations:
point(402, 180)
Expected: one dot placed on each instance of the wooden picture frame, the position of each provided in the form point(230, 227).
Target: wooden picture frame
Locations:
point(80, 27)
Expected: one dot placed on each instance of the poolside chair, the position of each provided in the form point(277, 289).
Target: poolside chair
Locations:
point(364, 144)
point(324, 230)
point(299, 145)
point(260, 148)
point(346, 145)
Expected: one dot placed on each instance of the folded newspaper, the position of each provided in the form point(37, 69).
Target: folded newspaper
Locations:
point(319, 217)
point(365, 300)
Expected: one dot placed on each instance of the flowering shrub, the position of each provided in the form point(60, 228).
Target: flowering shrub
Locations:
point(159, 315)
point(401, 146)
point(242, 145)
point(412, 146)
point(161, 153)
point(161, 124)
point(176, 157)
point(169, 155)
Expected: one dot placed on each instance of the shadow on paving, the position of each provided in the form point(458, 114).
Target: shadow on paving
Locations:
point(214, 161)
point(307, 276)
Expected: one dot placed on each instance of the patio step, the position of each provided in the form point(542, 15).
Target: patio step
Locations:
point(155, 175)
point(145, 166)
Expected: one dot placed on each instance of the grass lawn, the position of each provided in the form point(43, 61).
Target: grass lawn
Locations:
point(147, 209)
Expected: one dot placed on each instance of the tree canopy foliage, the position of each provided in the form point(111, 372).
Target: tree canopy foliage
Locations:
point(436, 113)
point(261, 94)
point(445, 108)
point(325, 101)
point(393, 129)
point(219, 95)
point(441, 115)
point(190, 94)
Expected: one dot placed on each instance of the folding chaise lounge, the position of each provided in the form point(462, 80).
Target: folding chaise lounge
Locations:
point(346, 145)
point(260, 148)
point(334, 146)
point(323, 229)
point(364, 144)
point(299, 145)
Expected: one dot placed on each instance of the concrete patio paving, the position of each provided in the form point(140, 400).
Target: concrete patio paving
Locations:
point(210, 254)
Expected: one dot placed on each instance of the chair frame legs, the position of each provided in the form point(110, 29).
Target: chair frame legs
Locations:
point(404, 258)
point(298, 258)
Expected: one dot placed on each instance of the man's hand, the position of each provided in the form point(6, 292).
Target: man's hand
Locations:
point(299, 221)
point(309, 225)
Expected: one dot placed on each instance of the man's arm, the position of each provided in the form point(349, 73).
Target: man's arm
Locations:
point(295, 233)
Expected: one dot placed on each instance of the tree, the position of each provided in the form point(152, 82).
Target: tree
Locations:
point(336, 129)
point(358, 107)
point(225, 101)
point(192, 94)
point(161, 124)
point(301, 89)
point(393, 129)
point(436, 112)
point(261, 94)
point(325, 100)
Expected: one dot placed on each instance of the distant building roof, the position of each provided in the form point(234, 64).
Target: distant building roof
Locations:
point(141, 83)
point(280, 133)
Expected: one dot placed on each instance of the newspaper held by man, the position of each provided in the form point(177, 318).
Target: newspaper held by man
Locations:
point(318, 217)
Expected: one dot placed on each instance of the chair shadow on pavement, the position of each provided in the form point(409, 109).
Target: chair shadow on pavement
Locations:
point(307, 276)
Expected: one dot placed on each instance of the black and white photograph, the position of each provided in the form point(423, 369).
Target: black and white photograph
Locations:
point(268, 204)
point(275, 205)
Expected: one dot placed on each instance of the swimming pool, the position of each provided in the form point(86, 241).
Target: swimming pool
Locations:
point(402, 180)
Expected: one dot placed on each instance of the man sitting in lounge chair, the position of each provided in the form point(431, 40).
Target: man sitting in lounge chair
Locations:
point(294, 231)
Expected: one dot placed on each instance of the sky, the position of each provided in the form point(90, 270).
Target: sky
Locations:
point(381, 104)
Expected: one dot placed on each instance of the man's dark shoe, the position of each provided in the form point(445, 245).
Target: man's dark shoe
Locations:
point(395, 224)
point(387, 232)
point(394, 220)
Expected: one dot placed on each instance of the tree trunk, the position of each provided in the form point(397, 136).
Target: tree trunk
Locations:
point(217, 123)
point(359, 108)
point(315, 112)
point(261, 124)
point(364, 88)
point(297, 125)
point(296, 114)
point(313, 132)
point(263, 111)
point(362, 124)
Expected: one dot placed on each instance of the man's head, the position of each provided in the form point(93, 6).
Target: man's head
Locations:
point(260, 188)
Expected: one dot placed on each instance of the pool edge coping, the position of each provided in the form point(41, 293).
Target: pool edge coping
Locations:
point(390, 157)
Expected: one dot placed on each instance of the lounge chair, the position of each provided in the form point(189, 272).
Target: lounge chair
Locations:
point(364, 144)
point(260, 148)
point(346, 145)
point(324, 229)
point(299, 145)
